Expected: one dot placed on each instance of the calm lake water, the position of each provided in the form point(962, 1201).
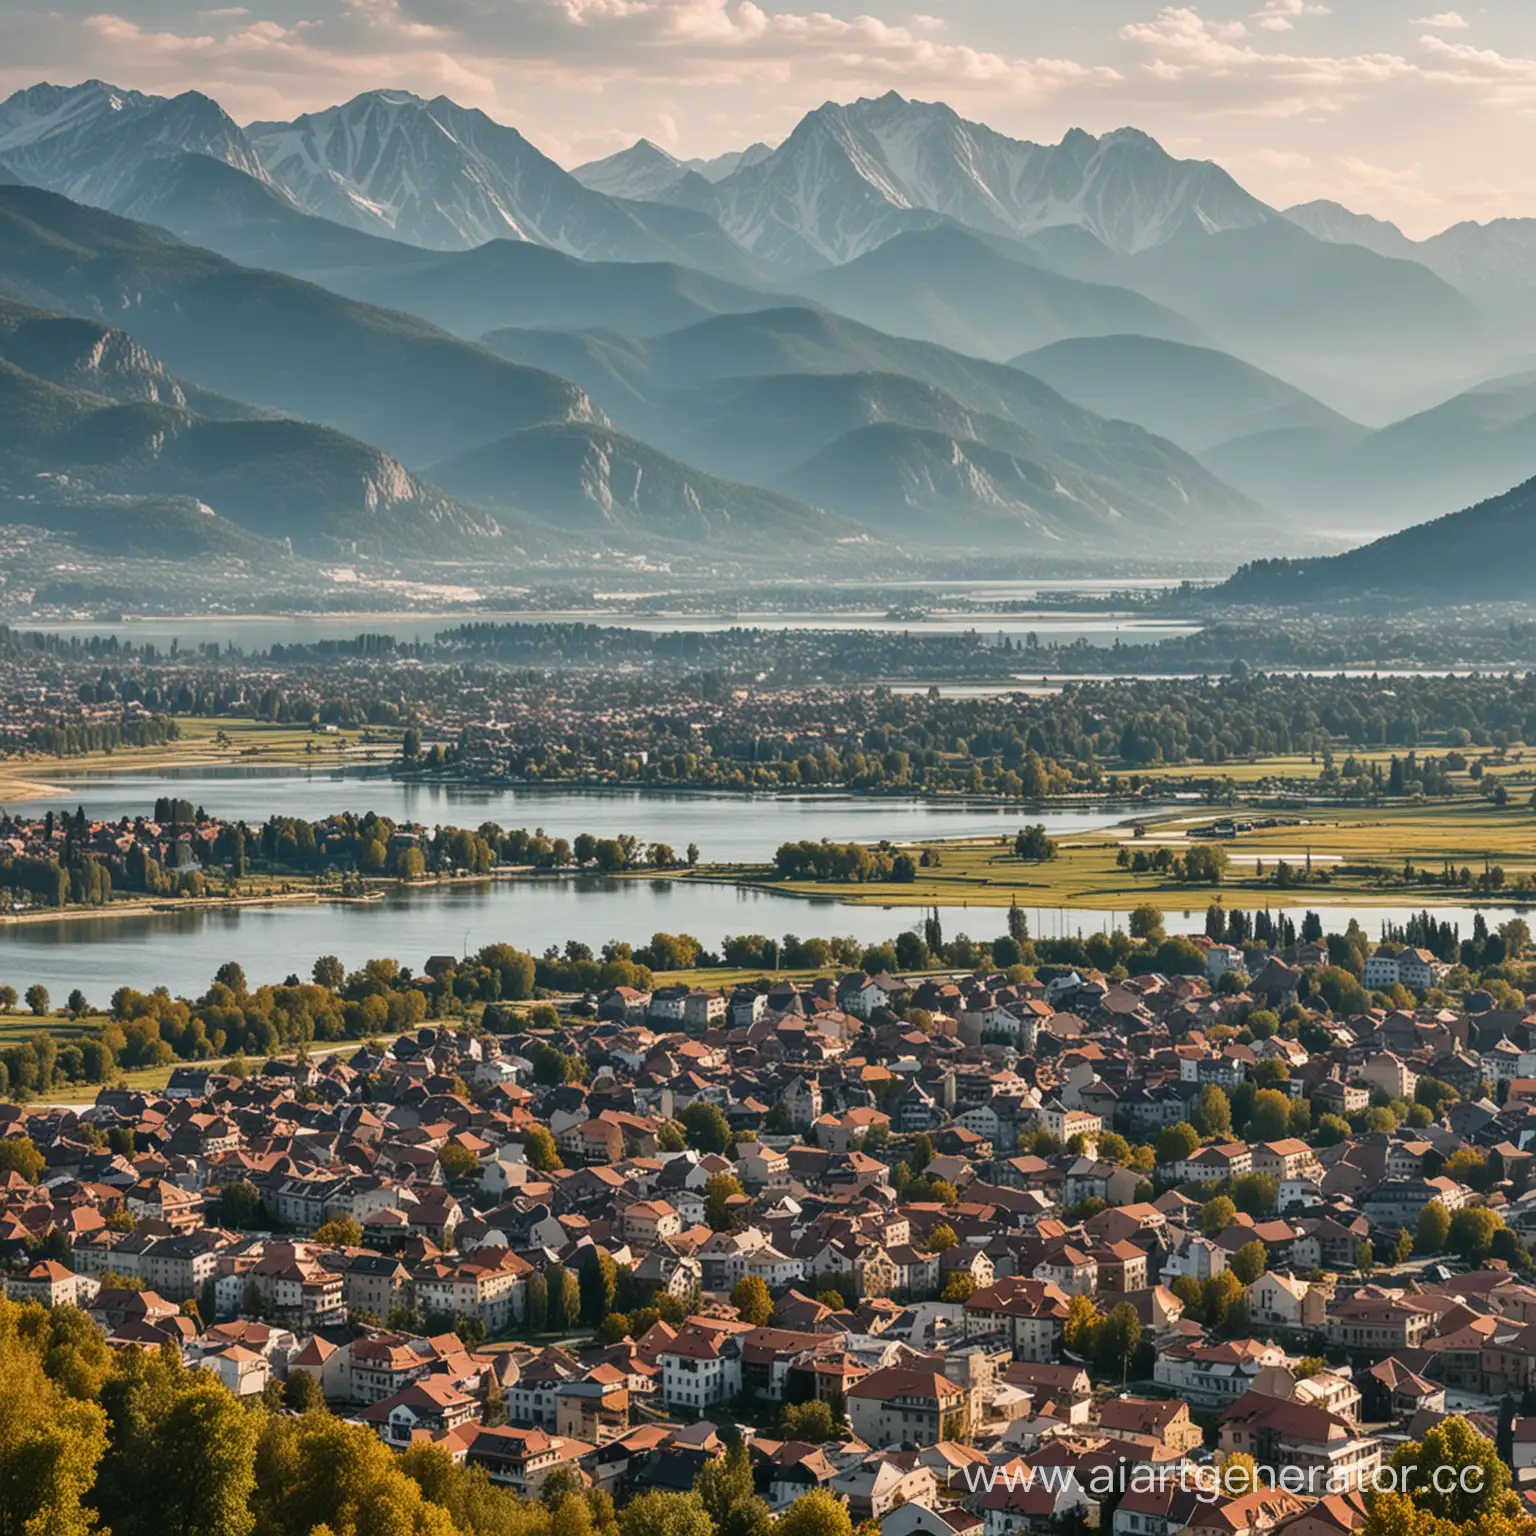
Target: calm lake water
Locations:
point(731, 829)
point(258, 634)
point(182, 950)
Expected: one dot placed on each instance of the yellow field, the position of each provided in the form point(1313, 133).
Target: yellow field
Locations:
point(205, 741)
point(1468, 832)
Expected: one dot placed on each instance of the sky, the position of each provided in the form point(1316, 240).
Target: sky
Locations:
point(1423, 116)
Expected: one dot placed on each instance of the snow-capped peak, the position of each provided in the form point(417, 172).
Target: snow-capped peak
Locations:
point(850, 175)
point(92, 141)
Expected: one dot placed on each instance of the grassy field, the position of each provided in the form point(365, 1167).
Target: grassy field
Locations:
point(1361, 849)
point(205, 741)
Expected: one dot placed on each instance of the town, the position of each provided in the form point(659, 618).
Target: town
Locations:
point(961, 1251)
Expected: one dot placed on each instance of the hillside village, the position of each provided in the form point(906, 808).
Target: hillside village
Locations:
point(891, 1232)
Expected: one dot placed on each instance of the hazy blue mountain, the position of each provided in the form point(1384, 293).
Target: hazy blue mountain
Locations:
point(273, 478)
point(1482, 554)
point(751, 396)
point(596, 480)
point(138, 527)
point(1339, 225)
point(102, 360)
point(218, 207)
point(501, 283)
point(645, 170)
point(92, 141)
point(1195, 396)
point(852, 176)
point(1360, 330)
point(936, 489)
point(448, 177)
point(642, 171)
point(1463, 451)
point(512, 283)
point(981, 295)
point(381, 376)
point(1495, 258)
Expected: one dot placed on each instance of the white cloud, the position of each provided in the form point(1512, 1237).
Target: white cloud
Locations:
point(496, 52)
point(1282, 15)
point(1444, 21)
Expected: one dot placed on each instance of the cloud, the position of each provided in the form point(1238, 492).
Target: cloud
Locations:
point(1282, 15)
point(1217, 67)
point(503, 51)
point(1444, 21)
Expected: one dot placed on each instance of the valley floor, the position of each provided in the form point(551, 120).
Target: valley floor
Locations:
point(1338, 856)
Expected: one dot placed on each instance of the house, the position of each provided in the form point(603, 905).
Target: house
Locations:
point(242, 1370)
point(1326, 1452)
point(1378, 1323)
point(1167, 1422)
point(1213, 1375)
point(700, 1369)
point(1025, 1502)
point(1279, 1300)
point(907, 1405)
point(52, 1284)
point(433, 1406)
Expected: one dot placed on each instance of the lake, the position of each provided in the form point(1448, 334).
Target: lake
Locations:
point(729, 829)
point(255, 633)
point(183, 950)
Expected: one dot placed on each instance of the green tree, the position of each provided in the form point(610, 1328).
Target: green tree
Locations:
point(1434, 1229)
point(1472, 1232)
point(942, 1237)
point(540, 1150)
point(1255, 1193)
point(1213, 1112)
point(536, 1303)
point(1249, 1262)
point(810, 1421)
point(319, 1473)
point(598, 1284)
point(818, 1513)
point(665, 1514)
point(1331, 1130)
point(1190, 1291)
point(721, 1188)
point(302, 1393)
point(706, 1127)
point(1117, 1339)
point(564, 1298)
point(19, 1154)
point(457, 1161)
point(1459, 1479)
point(1147, 923)
point(185, 1435)
point(238, 1205)
point(1217, 1214)
point(1177, 1142)
point(339, 1232)
point(37, 999)
point(751, 1299)
point(50, 1444)
point(1271, 1119)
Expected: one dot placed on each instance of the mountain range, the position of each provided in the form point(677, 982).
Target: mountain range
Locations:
point(1477, 555)
point(896, 325)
